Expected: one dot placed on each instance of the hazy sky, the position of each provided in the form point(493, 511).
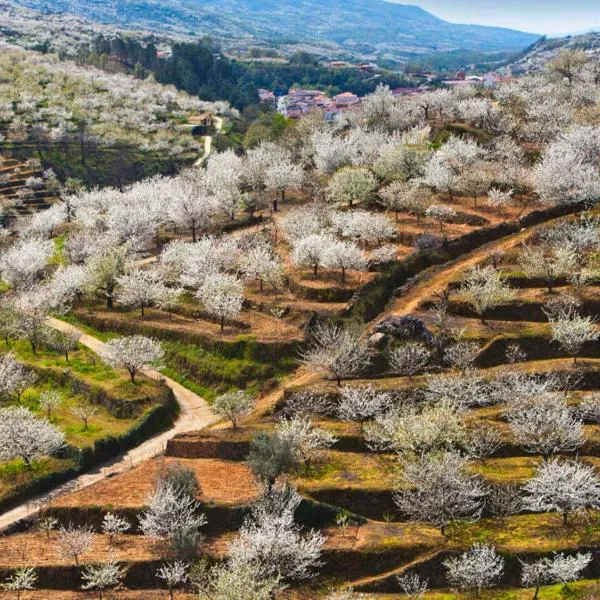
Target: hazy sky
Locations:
point(549, 17)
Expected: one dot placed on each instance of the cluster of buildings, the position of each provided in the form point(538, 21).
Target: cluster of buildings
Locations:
point(488, 80)
point(299, 102)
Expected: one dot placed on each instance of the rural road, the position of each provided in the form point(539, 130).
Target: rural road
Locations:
point(194, 414)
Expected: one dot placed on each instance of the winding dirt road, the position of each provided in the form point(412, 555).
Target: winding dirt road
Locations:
point(194, 414)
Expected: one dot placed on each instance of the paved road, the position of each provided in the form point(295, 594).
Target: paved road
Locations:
point(194, 414)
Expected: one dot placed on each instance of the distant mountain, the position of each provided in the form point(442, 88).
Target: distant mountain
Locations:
point(538, 54)
point(364, 27)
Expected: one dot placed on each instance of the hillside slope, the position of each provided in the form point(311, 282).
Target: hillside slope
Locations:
point(364, 27)
point(535, 57)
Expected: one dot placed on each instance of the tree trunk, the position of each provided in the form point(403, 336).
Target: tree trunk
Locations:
point(132, 375)
point(142, 311)
point(193, 233)
point(275, 201)
point(537, 591)
point(343, 275)
point(109, 301)
point(565, 518)
point(315, 267)
point(222, 324)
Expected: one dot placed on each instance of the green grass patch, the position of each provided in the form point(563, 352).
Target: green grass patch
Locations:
point(103, 336)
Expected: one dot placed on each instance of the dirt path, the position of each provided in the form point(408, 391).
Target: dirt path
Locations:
point(194, 414)
point(437, 278)
point(364, 581)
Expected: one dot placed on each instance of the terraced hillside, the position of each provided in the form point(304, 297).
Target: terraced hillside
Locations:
point(383, 347)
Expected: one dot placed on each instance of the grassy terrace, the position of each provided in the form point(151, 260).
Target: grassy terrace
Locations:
point(120, 409)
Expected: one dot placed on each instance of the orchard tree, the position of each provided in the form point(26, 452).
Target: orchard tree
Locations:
point(352, 186)
point(483, 441)
point(104, 270)
point(141, 288)
point(25, 436)
point(311, 251)
point(361, 403)
point(261, 263)
point(413, 431)
point(475, 181)
point(22, 580)
point(560, 568)
point(191, 207)
point(461, 354)
point(49, 401)
point(536, 574)
point(413, 585)
point(32, 309)
point(47, 525)
point(504, 500)
point(222, 295)
point(72, 542)
point(408, 196)
point(84, 412)
point(102, 577)
point(567, 568)
point(63, 341)
point(114, 526)
point(282, 176)
point(14, 377)
point(440, 213)
point(9, 324)
point(336, 350)
point(568, 170)
point(439, 490)
point(305, 438)
point(273, 542)
point(484, 288)
point(478, 568)
point(571, 331)
point(363, 226)
point(174, 575)
point(132, 353)
point(409, 359)
point(23, 262)
point(500, 199)
point(172, 515)
point(562, 486)
point(545, 426)
point(549, 264)
point(271, 455)
point(344, 255)
point(233, 405)
point(236, 581)
point(448, 164)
